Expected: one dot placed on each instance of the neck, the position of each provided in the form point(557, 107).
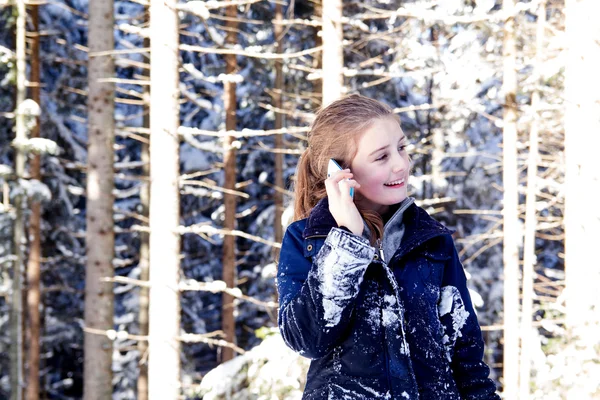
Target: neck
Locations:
point(366, 204)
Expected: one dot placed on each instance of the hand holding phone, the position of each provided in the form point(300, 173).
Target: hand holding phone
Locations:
point(332, 168)
point(341, 205)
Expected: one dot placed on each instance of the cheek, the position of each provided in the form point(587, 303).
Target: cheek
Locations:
point(371, 180)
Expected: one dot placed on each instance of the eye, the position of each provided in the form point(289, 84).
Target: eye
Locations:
point(383, 157)
point(402, 147)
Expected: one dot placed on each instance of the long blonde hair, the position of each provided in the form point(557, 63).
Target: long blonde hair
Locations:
point(334, 134)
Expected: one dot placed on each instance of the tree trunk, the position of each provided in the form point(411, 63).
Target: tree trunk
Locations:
point(35, 252)
point(529, 258)
point(142, 383)
point(333, 51)
point(229, 101)
point(278, 103)
point(582, 177)
point(100, 239)
point(164, 314)
point(510, 212)
point(16, 309)
point(438, 141)
point(318, 61)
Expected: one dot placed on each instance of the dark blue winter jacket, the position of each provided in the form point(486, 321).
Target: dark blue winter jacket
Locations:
point(393, 322)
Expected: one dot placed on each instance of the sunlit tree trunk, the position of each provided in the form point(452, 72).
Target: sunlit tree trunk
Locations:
point(100, 239)
point(278, 103)
point(142, 383)
point(318, 61)
point(529, 258)
point(164, 314)
point(35, 252)
point(333, 51)
point(438, 142)
point(229, 102)
point(16, 310)
point(510, 212)
point(582, 177)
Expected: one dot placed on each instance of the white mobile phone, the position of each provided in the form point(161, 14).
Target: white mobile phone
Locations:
point(332, 167)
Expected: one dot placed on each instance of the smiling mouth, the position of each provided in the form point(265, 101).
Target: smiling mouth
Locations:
point(398, 182)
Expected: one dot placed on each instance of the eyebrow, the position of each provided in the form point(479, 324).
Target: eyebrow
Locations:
point(385, 147)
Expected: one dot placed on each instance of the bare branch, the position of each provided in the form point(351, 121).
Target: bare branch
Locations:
point(298, 21)
point(184, 130)
point(185, 338)
point(294, 114)
point(127, 81)
point(268, 56)
point(482, 249)
point(264, 147)
point(217, 188)
point(191, 285)
point(213, 5)
point(118, 52)
point(195, 338)
point(220, 286)
point(480, 212)
point(430, 202)
point(420, 107)
point(211, 230)
point(431, 16)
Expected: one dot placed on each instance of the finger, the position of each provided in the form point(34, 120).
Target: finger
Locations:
point(331, 188)
point(337, 178)
point(341, 175)
point(345, 185)
point(349, 183)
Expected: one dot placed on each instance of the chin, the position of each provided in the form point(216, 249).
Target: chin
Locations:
point(383, 201)
point(396, 199)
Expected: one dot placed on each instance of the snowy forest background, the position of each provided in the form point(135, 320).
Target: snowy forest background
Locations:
point(474, 83)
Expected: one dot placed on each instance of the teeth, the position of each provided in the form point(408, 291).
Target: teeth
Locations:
point(395, 182)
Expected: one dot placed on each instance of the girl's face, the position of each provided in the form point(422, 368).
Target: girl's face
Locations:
point(381, 165)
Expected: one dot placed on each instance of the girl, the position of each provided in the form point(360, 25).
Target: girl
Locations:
point(370, 287)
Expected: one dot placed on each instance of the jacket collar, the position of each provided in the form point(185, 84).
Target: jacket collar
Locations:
point(418, 226)
point(320, 221)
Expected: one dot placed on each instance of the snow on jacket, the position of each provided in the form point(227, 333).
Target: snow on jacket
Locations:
point(394, 322)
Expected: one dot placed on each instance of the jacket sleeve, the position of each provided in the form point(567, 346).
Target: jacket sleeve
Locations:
point(463, 340)
point(316, 298)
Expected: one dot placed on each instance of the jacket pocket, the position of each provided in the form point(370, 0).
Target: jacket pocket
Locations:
point(431, 268)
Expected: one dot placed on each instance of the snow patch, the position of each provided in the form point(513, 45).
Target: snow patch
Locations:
point(269, 369)
point(340, 273)
point(451, 304)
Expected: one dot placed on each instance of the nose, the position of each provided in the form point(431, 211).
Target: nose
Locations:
point(400, 163)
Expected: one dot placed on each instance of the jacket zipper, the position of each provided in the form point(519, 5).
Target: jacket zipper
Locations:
point(380, 248)
point(385, 347)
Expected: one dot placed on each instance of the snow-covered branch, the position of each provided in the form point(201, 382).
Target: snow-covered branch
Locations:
point(190, 285)
point(253, 54)
point(211, 230)
point(184, 130)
